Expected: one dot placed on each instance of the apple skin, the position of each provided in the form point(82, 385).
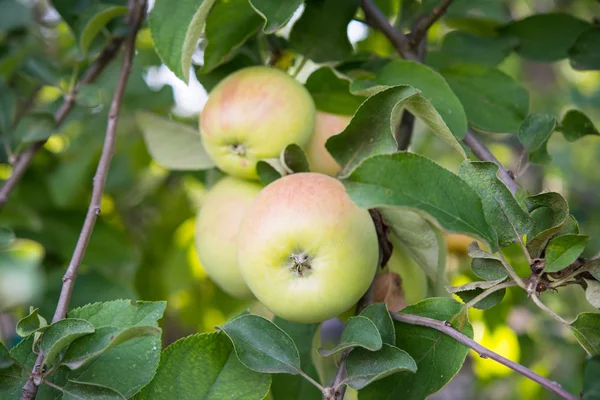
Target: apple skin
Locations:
point(217, 226)
point(326, 126)
point(254, 114)
point(310, 217)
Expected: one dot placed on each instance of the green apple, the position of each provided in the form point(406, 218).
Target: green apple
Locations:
point(306, 251)
point(414, 278)
point(326, 126)
point(254, 114)
point(217, 226)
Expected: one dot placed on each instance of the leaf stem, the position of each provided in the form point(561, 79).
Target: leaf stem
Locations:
point(482, 351)
point(511, 271)
point(300, 67)
point(488, 292)
point(311, 380)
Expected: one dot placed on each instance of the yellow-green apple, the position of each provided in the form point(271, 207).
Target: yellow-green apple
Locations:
point(326, 125)
point(217, 226)
point(254, 114)
point(306, 251)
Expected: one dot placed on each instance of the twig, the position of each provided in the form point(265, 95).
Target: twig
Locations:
point(482, 351)
point(488, 292)
point(548, 311)
point(339, 389)
point(137, 10)
point(421, 28)
point(378, 20)
point(24, 159)
point(484, 154)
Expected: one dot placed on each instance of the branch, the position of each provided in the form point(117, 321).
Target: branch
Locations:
point(136, 16)
point(421, 28)
point(482, 351)
point(26, 157)
point(484, 154)
point(378, 20)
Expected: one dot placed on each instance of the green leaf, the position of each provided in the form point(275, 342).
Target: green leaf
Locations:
point(414, 233)
point(173, 145)
point(210, 79)
point(364, 367)
point(380, 316)
point(228, 25)
point(464, 47)
point(8, 103)
point(84, 390)
point(592, 292)
point(591, 383)
point(13, 378)
point(204, 366)
point(493, 101)
point(61, 334)
point(121, 313)
point(331, 92)
point(584, 55)
point(433, 88)
point(571, 227)
point(262, 346)
point(545, 37)
point(549, 212)
point(535, 130)
point(41, 69)
point(471, 290)
point(294, 159)
point(485, 265)
point(95, 20)
point(269, 170)
point(88, 96)
point(576, 125)
point(175, 32)
point(5, 359)
point(586, 329)
point(438, 356)
point(502, 211)
point(563, 251)
point(296, 387)
point(411, 180)
point(7, 237)
point(35, 126)
point(276, 13)
point(321, 32)
point(31, 323)
point(103, 339)
point(358, 332)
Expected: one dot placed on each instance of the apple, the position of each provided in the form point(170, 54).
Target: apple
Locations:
point(254, 114)
point(217, 226)
point(306, 251)
point(326, 126)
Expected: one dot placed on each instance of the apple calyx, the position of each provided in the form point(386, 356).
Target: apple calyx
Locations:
point(238, 149)
point(300, 263)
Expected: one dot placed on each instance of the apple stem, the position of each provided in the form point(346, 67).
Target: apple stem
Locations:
point(238, 149)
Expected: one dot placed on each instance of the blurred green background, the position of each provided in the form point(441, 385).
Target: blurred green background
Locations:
point(142, 246)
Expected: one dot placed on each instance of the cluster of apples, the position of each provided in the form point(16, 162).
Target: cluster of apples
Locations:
point(299, 245)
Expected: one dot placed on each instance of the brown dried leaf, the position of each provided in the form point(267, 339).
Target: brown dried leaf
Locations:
point(388, 289)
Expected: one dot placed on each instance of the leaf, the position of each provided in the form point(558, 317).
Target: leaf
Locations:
point(470, 290)
point(411, 180)
point(321, 32)
point(562, 251)
point(270, 170)
point(502, 211)
point(35, 126)
point(364, 367)
point(41, 69)
point(485, 265)
point(61, 334)
point(379, 315)
point(121, 313)
point(331, 92)
point(464, 47)
point(294, 159)
point(31, 323)
point(576, 125)
point(239, 60)
point(228, 25)
point(103, 339)
point(173, 145)
point(586, 329)
point(7, 237)
point(535, 131)
point(175, 32)
point(433, 88)
point(438, 357)
point(549, 212)
point(204, 366)
point(276, 13)
point(262, 346)
point(583, 54)
point(359, 331)
point(592, 292)
point(296, 387)
point(412, 232)
point(5, 359)
point(571, 227)
point(88, 96)
point(473, 285)
point(85, 390)
point(545, 37)
point(591, 384)
point(95, 20)
point(8, 103)
point(493, 101)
